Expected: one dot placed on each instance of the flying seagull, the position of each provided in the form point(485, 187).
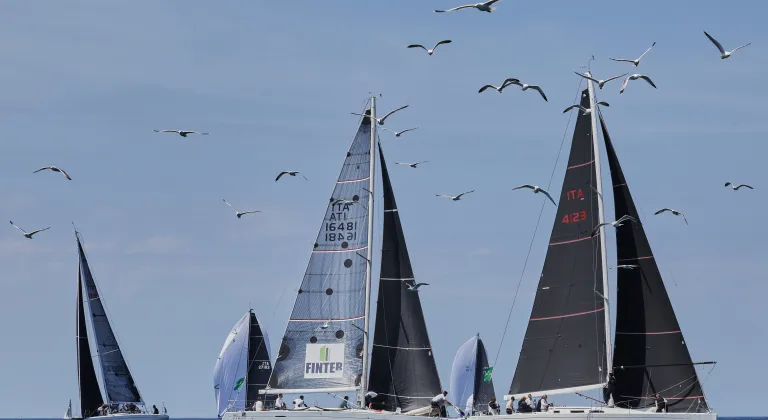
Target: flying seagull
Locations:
point(637, 61)
point(412, 165)
point(182, 133)
point(54, 169)
point(635, 77)
point(723, 53)
point(600, 83)
point(534, 87)
point(240, 214)
point(536, 189)
point(675, 212)
point(586, 111)
point(627, 266)
point(615, 223)
point(736, 187)
point(432, 51)
point(483, 7)
point(291, 173)
point(381, 120)
point(28, 235)
point(399, 133)
point(504, 84)
point(415, 287)
point(455, 197)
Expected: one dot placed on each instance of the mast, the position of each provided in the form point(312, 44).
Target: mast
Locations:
point(601, 219)
point(369, 251)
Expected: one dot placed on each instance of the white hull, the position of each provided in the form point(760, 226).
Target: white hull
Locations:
point(566, 413)
point(128, 416)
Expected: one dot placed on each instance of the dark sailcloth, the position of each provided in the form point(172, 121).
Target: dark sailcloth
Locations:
point(90, 395)
point(483, 391)
point(650, 353)
point(118, 382)
point(403, 370)
point(564, 345)
point(259, 366)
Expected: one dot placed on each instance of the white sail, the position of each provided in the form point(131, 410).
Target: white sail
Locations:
point(463, 374)
point(231, 368)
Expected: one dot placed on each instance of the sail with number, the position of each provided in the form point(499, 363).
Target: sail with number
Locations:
point(323, 345)
point(118, 382)
point(650, 353)
point(471, 383)
point(90, 395)
point(403, 370)
point(564, 349)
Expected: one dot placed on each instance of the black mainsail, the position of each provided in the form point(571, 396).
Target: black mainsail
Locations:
point(483, 391)
point(90, 395)
point(118, 382)
point(564, 346)
point(650, 353)
point(403, 370)
point(259, 366)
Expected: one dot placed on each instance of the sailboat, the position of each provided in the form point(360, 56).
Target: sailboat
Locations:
point(567, 345)
point(325, 345)
point(119, 387)
point(471, 382)
point(243, 367)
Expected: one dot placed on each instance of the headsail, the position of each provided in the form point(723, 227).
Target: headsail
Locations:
point(650, 354)
point(403, 370)
point(564, 346)
point(118, 382)
point(469, 388)
point(90, 395)
point(483, 391)
point(231, 369)
point(323, 345)
point(259, 365)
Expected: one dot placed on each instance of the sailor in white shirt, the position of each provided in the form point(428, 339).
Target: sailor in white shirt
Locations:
point(369, 396)
point(258, 406)
point(544, 403)
point(299, 403)
point(438, 404)
point(279, 402)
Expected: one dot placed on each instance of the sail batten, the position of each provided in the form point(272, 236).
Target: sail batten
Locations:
point(403, 371)
point(650, 353)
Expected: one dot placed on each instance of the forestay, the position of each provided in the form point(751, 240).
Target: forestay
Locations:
point(322, 347)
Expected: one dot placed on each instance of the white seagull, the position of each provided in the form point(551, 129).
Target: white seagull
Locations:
point(430, 51)
point(627, 266)
point(54, 169)
point(504, 84)
point(483, 7)
point(412, 165)
point(399, 133)
point(239, 214)
point(635, 77)
point(675, 212)
point(600, 83)
point(415, 287)
point(527, 86)
point(536, 189)
point(455, 197)
point(723, 53)
point(182, 133)
point(637, 61)
point(586, 111)
point(616, 223)
point(736, 187)
point(381, 120)
point(28, 235)
point(291, 173)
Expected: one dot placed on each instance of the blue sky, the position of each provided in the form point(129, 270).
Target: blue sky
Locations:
point(84, 83)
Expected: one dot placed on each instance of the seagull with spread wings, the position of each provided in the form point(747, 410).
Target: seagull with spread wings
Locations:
point(54, 169)
point(673, 211)
point(636, 62)
point(430, 51)
point(455, 197)
point(400, 133)
point(412, 165)
point(635, 77)
point(291, 173)
point(627, 266)
point(525, 87)
point(381, 120)
point(616, 223)
point(736, 187)
point(505, 83)
point(586, 111)
point(415, 287)
point(28, 235)
point(182, 133)
point(536, 189)
point(483, 7)
point(723, 53)
point(239, 214)
point(600, 83)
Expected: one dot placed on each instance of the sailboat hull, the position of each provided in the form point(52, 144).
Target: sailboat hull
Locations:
point(126, 416)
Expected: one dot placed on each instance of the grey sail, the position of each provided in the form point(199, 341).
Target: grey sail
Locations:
point(118, 382)
point(564, 346)
point(90, 394)
point(322, 348)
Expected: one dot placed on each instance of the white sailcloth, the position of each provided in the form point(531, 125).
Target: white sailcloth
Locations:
point(463, 373)
point(231, 368)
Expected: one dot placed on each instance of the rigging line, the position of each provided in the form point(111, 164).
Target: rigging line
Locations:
point(535, 230)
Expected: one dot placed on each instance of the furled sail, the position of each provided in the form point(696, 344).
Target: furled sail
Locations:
point(650, 353)
point(322, 348)
point(469, 388)
point(229, 375)
point(403, 370)
point(564, 346)
point(118, 382)
point(259, 365)
point(90, 395)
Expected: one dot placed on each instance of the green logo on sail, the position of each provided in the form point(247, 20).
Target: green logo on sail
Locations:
point(325, 353)
point(239, 384)
point(487, 373)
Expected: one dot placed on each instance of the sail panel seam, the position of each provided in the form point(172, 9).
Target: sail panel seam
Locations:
point(567, 315)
